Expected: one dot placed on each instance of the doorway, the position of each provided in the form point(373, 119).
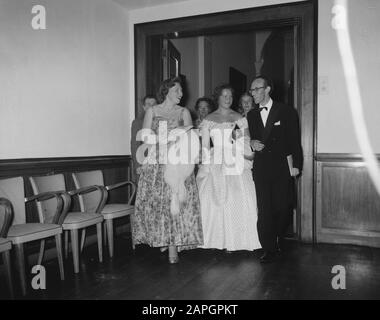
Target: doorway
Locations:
point(236, 58)
point(300, 19)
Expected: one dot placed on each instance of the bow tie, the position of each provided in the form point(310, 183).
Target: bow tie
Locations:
point(262, 108)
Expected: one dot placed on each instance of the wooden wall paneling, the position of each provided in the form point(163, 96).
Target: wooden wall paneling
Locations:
point(44, 166)
point(115, 175)
point(348, 205)
point(115, 169)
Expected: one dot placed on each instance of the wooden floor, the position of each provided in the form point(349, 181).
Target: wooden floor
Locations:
point(304, 272)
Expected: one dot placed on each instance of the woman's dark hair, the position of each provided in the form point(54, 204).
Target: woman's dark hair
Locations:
point(218, 92)
point(210, 103)
point(165, 86)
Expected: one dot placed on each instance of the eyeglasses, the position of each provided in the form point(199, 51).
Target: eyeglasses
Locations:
point(255, 89)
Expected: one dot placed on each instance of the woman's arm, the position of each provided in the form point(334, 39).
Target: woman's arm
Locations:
point(147, 135)
point(249, 157)
point(148, 118)
point(249, 154)
point(187, 121)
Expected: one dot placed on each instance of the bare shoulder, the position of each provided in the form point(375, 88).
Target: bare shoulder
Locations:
point(236, 115)
point(182, 109)
point(213, 116)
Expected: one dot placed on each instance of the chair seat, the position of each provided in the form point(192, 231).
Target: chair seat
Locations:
point(116, 210)
point(20, 233)
point(78, 220)
point(5, 245)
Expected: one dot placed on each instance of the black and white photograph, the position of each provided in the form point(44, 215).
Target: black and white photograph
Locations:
point(192, 157)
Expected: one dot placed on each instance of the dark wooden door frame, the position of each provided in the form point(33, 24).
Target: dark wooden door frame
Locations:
point(300, 15)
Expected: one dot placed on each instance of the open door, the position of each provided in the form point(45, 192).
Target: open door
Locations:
point(163, 61)
point(154, 69)
point(171, 59)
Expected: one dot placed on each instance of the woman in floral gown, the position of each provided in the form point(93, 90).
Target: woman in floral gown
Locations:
point(154, 222)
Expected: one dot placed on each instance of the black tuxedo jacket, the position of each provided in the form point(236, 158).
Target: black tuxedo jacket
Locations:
point(281, 137)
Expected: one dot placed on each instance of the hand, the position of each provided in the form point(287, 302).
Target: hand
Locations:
point(238, 134)
point(173, 123)
point(295, 172)
point(257, 145)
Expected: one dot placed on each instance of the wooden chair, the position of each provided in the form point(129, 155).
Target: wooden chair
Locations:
point(110, 211)
point(6, 217)
point(73, 221)
point(21, 232)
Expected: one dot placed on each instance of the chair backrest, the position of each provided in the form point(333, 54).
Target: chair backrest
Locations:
point(88, 201)
point(13, 190)
point(55, 182)
point(6, 216)
point(2, 219)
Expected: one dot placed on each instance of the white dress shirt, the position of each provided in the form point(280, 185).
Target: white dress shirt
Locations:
point(264, 113)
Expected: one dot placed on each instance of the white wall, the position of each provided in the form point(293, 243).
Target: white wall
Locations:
point(335, 125)
point(75, 79)
point(64, 90)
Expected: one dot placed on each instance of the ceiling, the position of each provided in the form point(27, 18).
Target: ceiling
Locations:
point(138, 4)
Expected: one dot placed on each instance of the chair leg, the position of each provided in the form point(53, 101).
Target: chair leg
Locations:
point(75, 249)
point(100, 246)
point(105, 233)
point(131, 217)
point(42, 251)
point(8, 270)
point(58, 244)
point(109, 224)
point(66, 244)
point(83, 238)
point(19, 249)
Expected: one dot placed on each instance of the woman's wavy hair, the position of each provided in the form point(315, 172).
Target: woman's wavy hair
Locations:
point(218, 92)
point(165, 86)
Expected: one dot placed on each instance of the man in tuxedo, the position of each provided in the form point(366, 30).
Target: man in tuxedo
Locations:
point(275, 138)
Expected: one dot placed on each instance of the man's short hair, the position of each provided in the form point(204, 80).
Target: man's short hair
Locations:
point(148, 96)
point(267, 81)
